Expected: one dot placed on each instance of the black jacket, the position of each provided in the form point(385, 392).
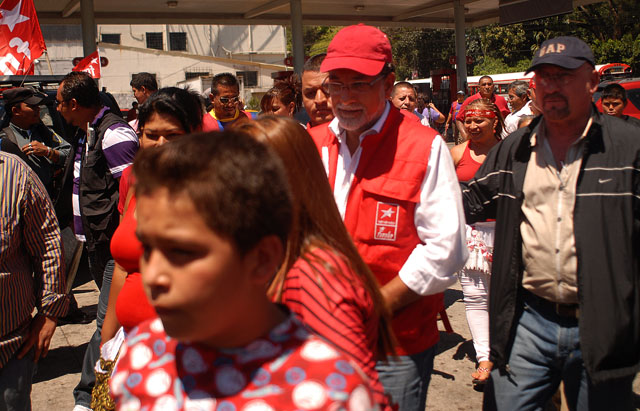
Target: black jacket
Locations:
point(98, 188)
point(607, 234)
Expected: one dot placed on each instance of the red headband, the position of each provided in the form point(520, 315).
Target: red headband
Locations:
point(478, 112)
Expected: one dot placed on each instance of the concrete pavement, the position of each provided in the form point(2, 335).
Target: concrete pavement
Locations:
point(450, 387)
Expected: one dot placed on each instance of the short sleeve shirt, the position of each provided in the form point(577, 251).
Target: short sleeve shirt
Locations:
point(288, 369)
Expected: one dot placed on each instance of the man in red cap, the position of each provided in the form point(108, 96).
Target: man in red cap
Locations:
point(395, 186)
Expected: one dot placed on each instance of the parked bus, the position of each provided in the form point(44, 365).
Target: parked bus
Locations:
point(501, 81)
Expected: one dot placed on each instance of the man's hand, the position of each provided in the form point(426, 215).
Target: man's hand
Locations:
point(36, 148)
point(39, 336)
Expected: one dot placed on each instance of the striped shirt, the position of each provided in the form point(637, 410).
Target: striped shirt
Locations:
point(31, 263)
point(329, 298)
point(120, 144)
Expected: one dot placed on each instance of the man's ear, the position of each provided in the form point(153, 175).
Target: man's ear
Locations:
point(388, 84)
point(595, 80)
point(73, 104)
point(264, 259)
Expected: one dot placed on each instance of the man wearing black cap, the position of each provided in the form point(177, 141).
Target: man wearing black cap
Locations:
point(565, 290)
point(46, 151)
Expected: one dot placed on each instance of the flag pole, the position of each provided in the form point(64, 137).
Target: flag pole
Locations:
point(46, 53)
point(26, 73)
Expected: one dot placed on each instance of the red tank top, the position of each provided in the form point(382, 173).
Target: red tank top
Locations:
point(132, 306)
point(467, 166)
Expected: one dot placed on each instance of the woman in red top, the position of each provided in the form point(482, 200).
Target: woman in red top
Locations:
point(324, 280)
point(168, 113)
point(483, 123)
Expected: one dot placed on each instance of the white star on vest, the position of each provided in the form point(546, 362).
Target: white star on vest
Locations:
point(13, 17)
point(388, 213)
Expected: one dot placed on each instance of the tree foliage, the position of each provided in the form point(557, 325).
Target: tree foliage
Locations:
point(611, 28)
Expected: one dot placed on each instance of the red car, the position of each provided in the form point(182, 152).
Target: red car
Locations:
point(632, 87)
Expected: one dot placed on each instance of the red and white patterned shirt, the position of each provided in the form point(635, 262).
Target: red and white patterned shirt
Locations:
point(288, 369)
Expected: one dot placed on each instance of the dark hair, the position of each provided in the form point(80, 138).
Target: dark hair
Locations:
point(184, 105)
point(237, 185)
point(520, 87)
point(387, 69)
point(287, 91)
point(615, 91)
point(403, 84)
point(425, 97)
point(223, 79)
point(80, 86)
point(484, 77)
point(486, 104)
point(144, 79)
point(314, 63)
point(525, 120)
point(316, 219)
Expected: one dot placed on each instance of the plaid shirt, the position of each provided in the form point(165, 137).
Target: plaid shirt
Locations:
point(31, 262)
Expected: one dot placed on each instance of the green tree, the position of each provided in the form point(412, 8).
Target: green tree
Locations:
point(316, 39)
point(420, 50)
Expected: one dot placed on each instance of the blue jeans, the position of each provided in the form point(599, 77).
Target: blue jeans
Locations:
point(15, 383)
point(82, 392)
point(406, 379)
point(546, 350)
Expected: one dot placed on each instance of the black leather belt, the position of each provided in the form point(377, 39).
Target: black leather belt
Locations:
point(563, 310)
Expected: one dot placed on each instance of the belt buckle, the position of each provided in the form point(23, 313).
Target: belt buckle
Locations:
point(564, 310)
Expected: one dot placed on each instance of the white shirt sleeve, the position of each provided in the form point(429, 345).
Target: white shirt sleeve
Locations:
point(440, 223)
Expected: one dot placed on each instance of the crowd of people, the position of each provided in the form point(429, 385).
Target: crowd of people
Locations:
point(273, 263)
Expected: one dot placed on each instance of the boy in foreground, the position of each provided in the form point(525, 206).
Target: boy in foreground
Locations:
point(213, 216)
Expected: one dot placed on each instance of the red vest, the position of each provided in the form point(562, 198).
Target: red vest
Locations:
point(380, 212)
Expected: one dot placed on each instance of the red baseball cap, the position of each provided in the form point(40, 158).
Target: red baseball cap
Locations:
point(360, 48)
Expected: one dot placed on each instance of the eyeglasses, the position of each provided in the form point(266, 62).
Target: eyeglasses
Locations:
point(358, 87)
point(229, 100)
point(561, 79)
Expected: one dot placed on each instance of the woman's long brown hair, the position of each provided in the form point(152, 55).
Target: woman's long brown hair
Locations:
point(316, 222)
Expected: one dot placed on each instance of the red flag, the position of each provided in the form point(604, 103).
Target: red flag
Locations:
point(21, 40)
point(90, 65)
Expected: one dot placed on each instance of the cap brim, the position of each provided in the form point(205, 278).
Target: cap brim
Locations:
point(34, 99)
point(570, 63)
point(361, 65)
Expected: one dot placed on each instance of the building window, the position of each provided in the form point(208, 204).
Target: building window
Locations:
point(110, 38)
point(250, 78)
point(195, 74)
point(178, 41)
point(154, 41)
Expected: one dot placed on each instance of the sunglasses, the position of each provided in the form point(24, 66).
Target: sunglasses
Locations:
point(229, 100)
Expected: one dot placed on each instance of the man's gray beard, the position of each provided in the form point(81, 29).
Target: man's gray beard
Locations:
point(352, 123)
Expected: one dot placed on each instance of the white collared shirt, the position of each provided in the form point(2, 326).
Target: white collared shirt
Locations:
point(512, 120)
point(439, 216)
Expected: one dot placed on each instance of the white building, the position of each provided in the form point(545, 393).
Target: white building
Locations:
point(176, 54)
